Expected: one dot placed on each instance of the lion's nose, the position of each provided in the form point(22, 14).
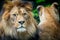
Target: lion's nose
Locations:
point(21, 22)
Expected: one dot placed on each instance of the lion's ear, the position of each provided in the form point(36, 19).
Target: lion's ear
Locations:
point(12, 0)
point(6, 16)
point(7, 6)
point(28, 5)
point(10, 3)
point(55, 4)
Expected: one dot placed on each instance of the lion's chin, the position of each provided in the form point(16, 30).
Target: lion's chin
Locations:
point(21, 30)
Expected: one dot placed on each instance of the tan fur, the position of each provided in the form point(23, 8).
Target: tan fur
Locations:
point(9, 22)
point(49, 22)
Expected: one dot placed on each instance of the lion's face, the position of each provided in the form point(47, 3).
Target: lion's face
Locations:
point(19, 18)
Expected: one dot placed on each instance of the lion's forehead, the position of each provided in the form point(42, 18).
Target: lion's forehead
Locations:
point(14, 9)
point(22, 10)
point(18, 10)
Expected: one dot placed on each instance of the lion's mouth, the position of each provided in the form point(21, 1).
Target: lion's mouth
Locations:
point(21, 29)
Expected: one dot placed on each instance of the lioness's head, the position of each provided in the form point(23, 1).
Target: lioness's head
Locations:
point(48, 13)
point(18, 19)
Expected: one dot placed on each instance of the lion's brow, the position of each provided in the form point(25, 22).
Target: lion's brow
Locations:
point(20, 10)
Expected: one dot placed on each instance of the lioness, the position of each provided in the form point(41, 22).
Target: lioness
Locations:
point(49, 24)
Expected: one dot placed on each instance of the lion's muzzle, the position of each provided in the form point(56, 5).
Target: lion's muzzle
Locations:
point(21, 22)
point(21, 29)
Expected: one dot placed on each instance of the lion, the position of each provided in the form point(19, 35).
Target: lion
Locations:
point(18, 22)
point(49, 22)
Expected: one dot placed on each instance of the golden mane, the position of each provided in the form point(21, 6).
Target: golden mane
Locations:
point(7, 25)
point(9, 5)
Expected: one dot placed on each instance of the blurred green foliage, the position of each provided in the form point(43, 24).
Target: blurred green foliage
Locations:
point(38, 1)
point(35, 14)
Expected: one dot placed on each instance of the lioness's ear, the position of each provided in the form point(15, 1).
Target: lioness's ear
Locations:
point(55, 4)
point(8, 5)
point(28, 5)
point(39, 7)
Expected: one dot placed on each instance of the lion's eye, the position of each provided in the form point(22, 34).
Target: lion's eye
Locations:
point(14, 14)
point(24, 14)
